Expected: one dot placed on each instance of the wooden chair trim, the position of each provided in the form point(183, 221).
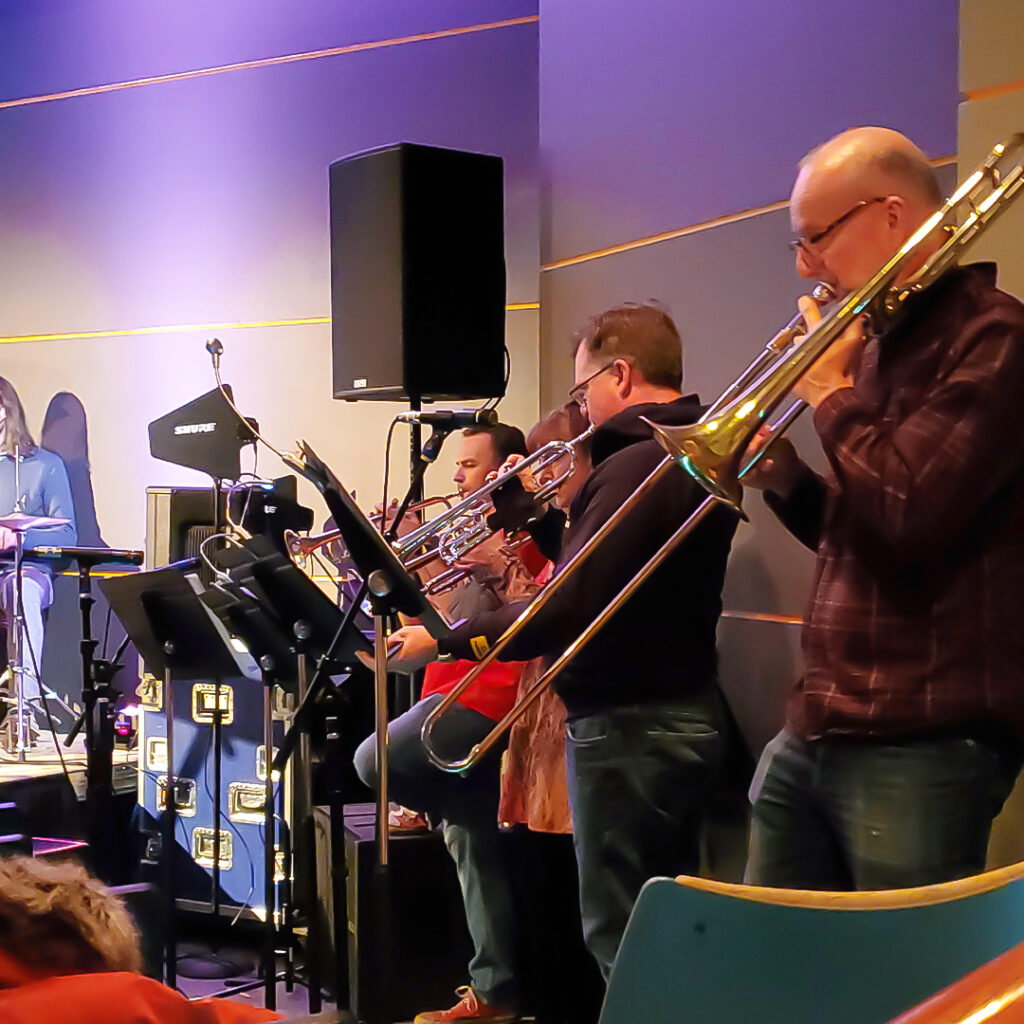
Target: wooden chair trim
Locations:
point(889, 899)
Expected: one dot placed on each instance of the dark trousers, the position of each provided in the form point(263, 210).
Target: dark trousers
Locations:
point(866, 814)
point(638, 780)
point(468, 807)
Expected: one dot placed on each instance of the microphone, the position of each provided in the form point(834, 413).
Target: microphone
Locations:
point(89, 556)
point(451, 419)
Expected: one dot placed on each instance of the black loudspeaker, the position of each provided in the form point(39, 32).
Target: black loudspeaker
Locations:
point(418, 274)
point(429, 948)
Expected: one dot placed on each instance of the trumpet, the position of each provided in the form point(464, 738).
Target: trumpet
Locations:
point(300, 548)
point(463, 526)
point(714, 450)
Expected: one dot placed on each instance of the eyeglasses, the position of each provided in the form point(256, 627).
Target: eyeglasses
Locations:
point(578, 394)
point(809, 245)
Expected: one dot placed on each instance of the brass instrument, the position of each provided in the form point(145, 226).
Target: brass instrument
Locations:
point(464, 526)
point(713, 449)
point(300, 548)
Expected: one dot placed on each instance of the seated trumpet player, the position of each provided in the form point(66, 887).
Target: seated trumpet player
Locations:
point(645, 715)
point(906, 732)
point(467, 808)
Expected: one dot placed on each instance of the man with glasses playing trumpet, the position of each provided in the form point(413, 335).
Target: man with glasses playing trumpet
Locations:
point(645, 730)
point(904, 736)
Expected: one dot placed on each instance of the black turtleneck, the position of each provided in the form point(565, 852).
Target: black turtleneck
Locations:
point(660, 647)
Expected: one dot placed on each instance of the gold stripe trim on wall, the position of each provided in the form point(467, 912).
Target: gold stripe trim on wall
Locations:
point(691, 229)
point(665, 236)
point(266, 62)
point(992, 91)
point(226, 325)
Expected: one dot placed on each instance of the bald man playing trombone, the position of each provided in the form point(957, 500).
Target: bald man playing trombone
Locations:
point(906, 732)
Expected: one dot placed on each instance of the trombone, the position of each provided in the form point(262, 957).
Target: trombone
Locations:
point(713, 450)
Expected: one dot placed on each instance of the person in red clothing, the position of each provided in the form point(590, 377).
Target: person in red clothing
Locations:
point(906, 732)
point(467, 806)
point(70, 951)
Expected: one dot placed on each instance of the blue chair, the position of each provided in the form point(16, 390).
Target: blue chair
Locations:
point(702, 952)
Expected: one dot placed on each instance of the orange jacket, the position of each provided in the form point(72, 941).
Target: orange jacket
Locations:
point(33, 997)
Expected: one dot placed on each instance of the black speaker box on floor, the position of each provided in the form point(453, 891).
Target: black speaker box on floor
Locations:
point(428, 949)
point(417, 274)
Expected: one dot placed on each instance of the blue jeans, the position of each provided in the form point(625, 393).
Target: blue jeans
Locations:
point(468, 807)
point(638, 778)
point(845, 814)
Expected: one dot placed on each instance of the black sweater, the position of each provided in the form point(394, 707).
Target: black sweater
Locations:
point(660, 646)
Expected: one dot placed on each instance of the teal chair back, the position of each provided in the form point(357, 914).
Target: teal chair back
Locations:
point(698, 952)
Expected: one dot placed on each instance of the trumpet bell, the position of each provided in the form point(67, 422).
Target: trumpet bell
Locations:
point(709, 454)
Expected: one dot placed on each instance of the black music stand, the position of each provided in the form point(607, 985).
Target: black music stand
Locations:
point(99, 700)
point(391, 590)
point(269, 643)
point(312, 625)
point(175, 636)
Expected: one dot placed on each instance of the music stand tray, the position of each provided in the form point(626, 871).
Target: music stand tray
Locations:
point(176, 636)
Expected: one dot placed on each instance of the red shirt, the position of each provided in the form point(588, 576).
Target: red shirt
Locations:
point(493, 694)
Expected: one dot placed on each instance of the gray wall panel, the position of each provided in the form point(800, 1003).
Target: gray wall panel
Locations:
point(992, 53)
point(991, 43)
point(729, 288)
point(982, 124)
point(758, 662)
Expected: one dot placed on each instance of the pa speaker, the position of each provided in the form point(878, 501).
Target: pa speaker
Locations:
point(417, 274)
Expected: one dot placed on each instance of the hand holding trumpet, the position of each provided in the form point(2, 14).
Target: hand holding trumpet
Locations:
point(411, 648)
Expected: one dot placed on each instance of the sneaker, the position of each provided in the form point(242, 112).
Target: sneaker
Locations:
point(469, 1007)
point(401, 819)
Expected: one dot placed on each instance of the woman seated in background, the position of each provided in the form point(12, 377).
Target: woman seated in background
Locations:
point(69, 951)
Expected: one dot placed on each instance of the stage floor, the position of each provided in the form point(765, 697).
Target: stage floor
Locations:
point(43, 761)
point(54, 805)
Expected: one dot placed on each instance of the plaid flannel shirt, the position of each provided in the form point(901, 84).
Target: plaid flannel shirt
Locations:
point(912, 626)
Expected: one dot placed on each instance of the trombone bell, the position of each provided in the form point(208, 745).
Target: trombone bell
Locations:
point(709, 454)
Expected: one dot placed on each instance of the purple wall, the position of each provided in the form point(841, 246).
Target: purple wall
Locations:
point(53, 45)
point(657, 115)
point(205, 199)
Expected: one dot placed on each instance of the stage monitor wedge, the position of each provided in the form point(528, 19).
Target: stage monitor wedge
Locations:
point(417, 274)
